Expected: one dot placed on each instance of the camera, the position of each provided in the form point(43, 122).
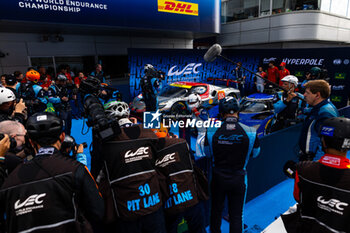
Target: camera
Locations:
point(13, 143)
point(103, 127)
point(69, 144)
point(150, 71)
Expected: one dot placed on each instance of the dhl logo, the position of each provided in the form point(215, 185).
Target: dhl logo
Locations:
point(178, 7)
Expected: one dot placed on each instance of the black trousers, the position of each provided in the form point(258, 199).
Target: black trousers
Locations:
point(234, 188)
point(151, 223)
point(194, 217)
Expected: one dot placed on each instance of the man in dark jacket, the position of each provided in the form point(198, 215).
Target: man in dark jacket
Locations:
point(322, 188)
point(231, 146)
point(50, 192)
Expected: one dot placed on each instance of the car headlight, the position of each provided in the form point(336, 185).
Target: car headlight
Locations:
point(160, 106)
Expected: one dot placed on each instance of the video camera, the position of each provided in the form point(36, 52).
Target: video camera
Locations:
point(103, 127)
point(150, 71)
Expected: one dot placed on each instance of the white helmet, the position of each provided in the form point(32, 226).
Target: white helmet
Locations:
point(6, 95)
point(194, 101)
point(117, 109)
point(291, 79)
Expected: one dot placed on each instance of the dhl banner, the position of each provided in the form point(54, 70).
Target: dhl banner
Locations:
point(187, 15)
point(178, 7)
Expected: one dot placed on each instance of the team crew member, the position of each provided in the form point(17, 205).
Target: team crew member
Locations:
point(231, 146)
point(129, 161)
point(259, 82)
point(98, 73)
point(273, 72)
point(50, 192)
point(32, 94)
point(316, 95)
point(151, 87)
point(59, 96)
point(16, 153)
point(283, 72)
point(322, 188)
point(288, 106)
point(199, 113)
point(240, 78)
point(9, 109)
point(175, 167)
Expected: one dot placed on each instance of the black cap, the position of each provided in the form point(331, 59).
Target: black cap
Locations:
point(10, 79)
point(44, 125)
point(336, 132)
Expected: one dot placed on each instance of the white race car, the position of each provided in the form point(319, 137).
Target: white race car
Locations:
point(173, 98)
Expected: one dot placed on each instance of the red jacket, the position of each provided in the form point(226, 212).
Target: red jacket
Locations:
point(283, 73)
point(273, 74)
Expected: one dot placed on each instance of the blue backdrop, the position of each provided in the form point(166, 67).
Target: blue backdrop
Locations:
point(189, 65)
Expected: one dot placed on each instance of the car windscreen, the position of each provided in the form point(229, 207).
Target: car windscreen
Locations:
point(171, 91)
point(250, 106)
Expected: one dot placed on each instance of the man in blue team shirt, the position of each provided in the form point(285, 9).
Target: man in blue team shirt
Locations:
point(316, 94)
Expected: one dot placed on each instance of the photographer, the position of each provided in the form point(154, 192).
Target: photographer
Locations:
point(59, 95)
point(9, 109)
point(72, 150)
point(287, 105)
point(103, 129)
point(322, 188)
point(151, 86)
point(10, 83)
point(4, 146)
point(17, 134)
point(50, 192)
point(32, 94)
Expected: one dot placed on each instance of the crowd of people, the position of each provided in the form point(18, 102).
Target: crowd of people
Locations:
point(142, 180)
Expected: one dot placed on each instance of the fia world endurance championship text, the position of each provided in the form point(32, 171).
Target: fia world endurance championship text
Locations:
point(60, 5)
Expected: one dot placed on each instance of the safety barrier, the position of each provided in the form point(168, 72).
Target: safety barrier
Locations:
point(266, 171)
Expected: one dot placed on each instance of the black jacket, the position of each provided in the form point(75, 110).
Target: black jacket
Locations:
point(50, 193)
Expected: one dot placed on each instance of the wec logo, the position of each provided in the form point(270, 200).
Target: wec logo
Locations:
point(192, 67)
point(140, 151)
point(334, 203)
point(166, 159)
point(178, 7)
point(31, 200)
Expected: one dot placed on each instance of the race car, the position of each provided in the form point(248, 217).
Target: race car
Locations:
point(173, 98)
point(257, 111)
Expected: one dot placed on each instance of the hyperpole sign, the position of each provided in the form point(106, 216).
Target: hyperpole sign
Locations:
point(186, 15)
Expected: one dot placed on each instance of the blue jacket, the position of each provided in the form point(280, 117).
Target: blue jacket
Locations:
point(309, 141)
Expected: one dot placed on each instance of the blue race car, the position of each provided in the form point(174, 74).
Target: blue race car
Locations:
point(257, 111)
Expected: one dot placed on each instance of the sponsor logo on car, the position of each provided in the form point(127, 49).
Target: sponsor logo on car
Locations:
point(178, 7)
